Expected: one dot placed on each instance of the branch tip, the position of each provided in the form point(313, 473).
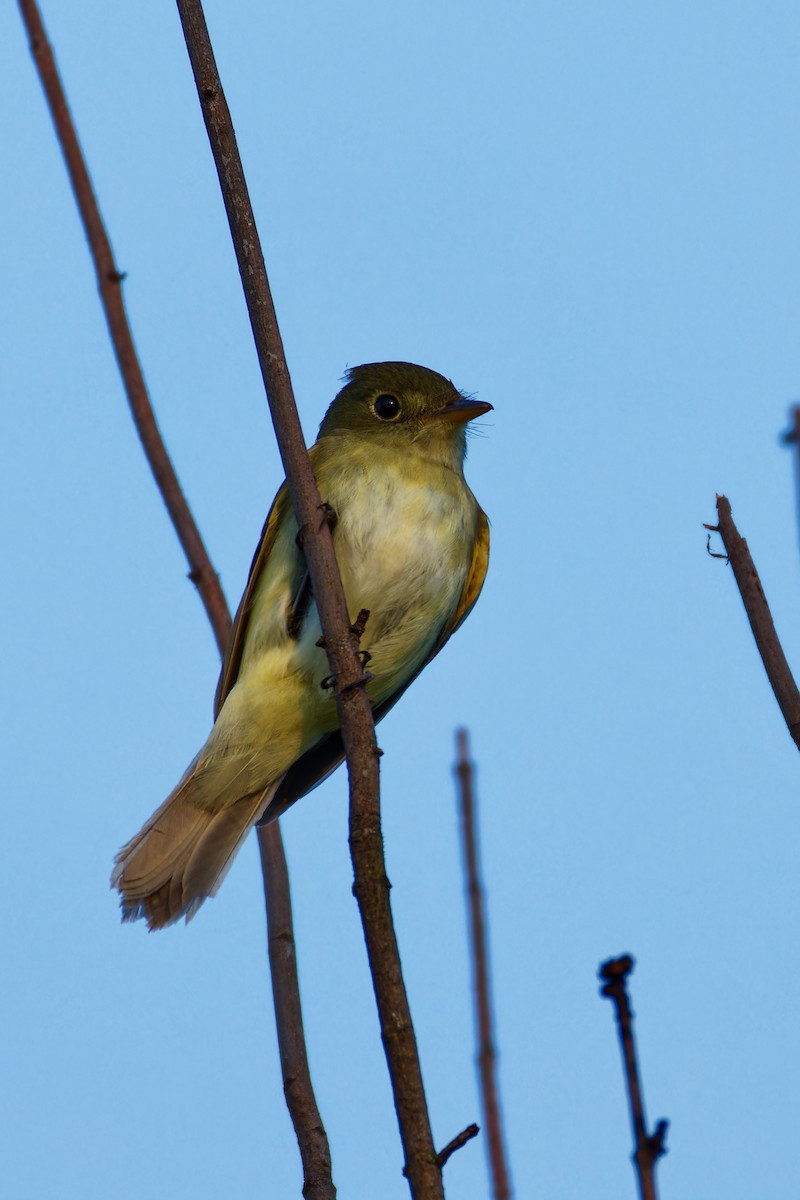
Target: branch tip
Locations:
point(792, 435)
point(647, 1147)
point(657, 1139)
point(360, 623)
point(762, 625)
point(617, 968)
point(458, 1141)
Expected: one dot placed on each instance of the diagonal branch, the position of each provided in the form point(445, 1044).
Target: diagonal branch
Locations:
point(300, 1098)
point(760, 618)
point(109, 282)
point(487, 1058)
point(341, 643)
point(648, 1148)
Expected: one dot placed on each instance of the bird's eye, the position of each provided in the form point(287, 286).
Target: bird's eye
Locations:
point(386, 407)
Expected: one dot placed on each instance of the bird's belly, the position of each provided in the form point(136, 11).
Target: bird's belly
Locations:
point(406, 564)
point(404, 554)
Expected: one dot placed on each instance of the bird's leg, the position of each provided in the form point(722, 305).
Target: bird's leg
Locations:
point(328, 518)
point(357, 628)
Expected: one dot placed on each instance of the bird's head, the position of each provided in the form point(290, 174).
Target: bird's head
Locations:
point(403, 405)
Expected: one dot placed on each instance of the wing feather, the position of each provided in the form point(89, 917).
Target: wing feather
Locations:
point(233, 655)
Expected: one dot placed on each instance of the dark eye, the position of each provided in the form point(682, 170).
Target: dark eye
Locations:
point(386, 407)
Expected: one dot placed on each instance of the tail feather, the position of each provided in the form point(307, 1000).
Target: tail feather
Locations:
point(157, 848)
point(182, 854)
point(219, 843)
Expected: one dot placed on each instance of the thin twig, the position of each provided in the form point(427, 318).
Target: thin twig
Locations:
point(648, 1148)
point(300, 1100)
point(487, 1058)
point(458, 1141)
point(760, 618)
point(371, 886)
point(109, 282)
point(311, 1135)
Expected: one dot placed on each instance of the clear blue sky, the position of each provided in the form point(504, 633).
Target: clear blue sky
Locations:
point(586, 214)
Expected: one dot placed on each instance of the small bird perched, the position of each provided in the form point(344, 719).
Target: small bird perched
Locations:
point(412, 545)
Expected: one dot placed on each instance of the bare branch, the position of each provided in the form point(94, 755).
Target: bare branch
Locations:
point(109, 282)
point(648, 1148)
point(300, 1099)
point(371, 886)
point(760, 618)
point(487, 1059)
point(302, 1105)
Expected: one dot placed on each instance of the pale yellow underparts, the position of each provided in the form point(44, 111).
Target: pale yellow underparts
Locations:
point(403, 544)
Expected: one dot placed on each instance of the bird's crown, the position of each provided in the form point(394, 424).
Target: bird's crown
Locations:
point(399, 395)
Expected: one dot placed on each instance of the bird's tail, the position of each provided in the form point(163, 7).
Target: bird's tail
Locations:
point(182, 854)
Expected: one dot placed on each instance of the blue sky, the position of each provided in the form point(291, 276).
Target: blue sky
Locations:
point(587, 215)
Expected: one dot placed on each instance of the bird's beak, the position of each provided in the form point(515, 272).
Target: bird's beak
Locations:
point(461, 410)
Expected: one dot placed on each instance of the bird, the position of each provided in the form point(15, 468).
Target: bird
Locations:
point(412, 546)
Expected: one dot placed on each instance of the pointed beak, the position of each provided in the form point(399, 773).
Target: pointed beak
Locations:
point(461, 410)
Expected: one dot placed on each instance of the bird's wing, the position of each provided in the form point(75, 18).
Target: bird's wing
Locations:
point(317, 763)
point(281, 508)
point(472, 588)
